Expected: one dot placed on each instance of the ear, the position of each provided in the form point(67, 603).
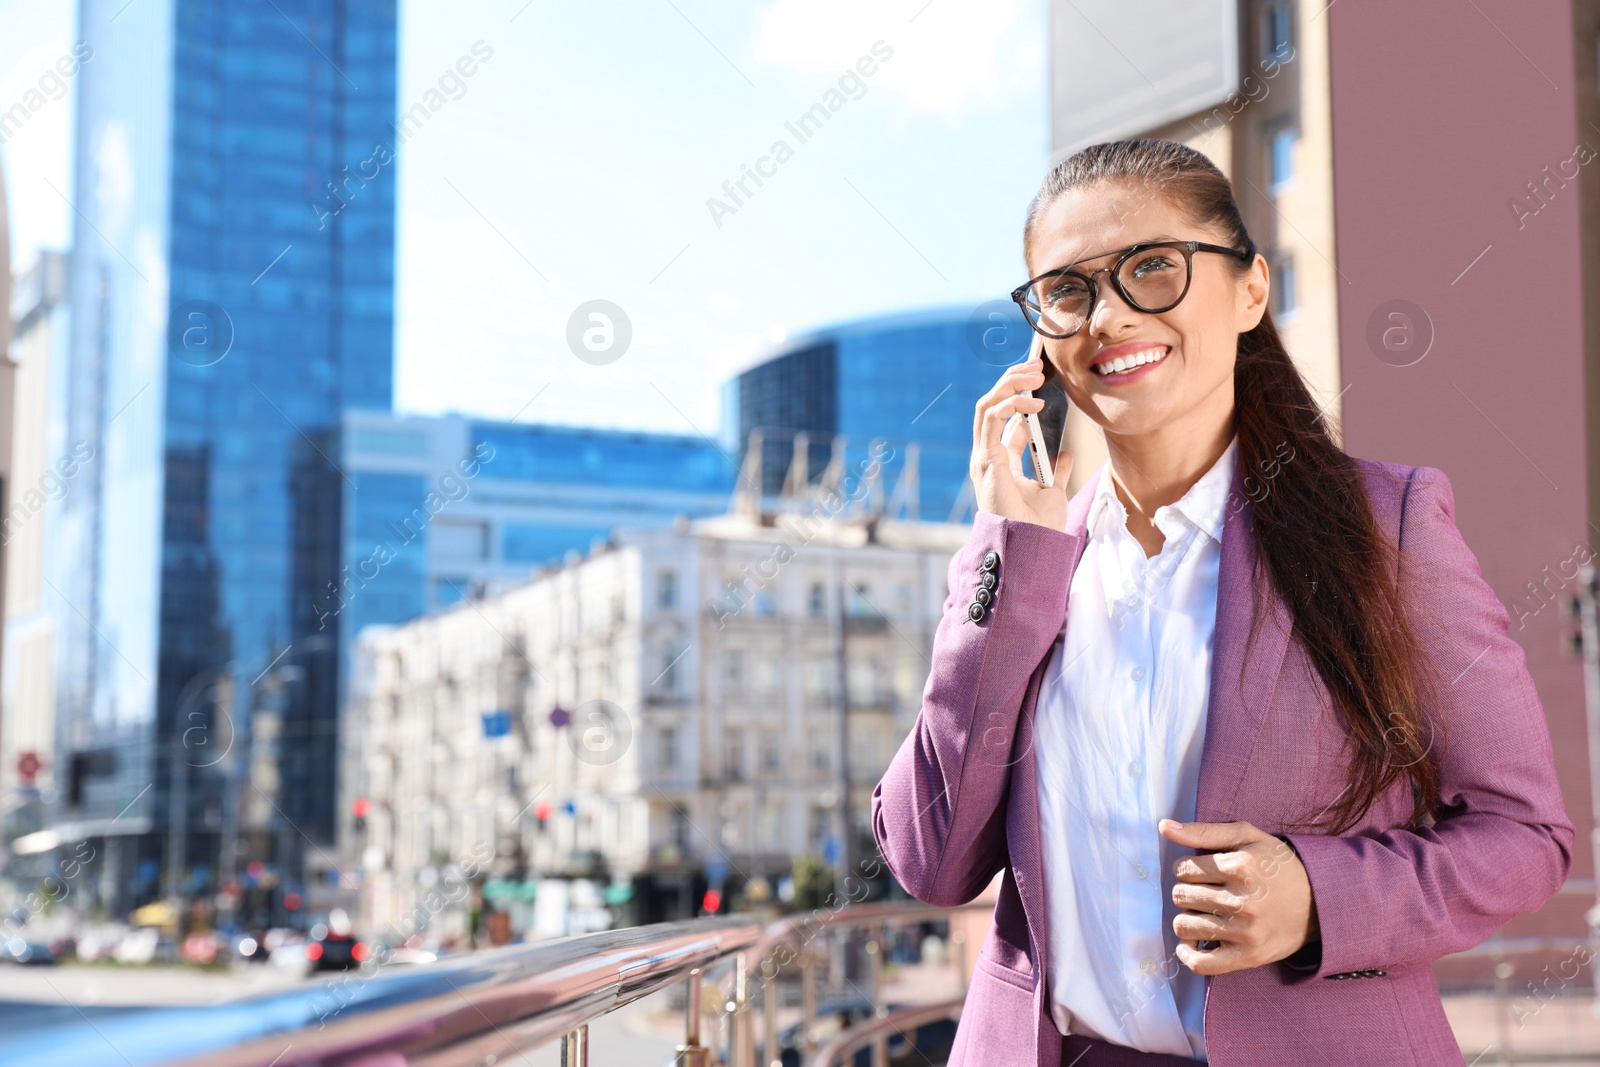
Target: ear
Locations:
point(1251, 294)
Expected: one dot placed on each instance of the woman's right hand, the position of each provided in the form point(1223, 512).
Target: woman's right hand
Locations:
point(999, 434)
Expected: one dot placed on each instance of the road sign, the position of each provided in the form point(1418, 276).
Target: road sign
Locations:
point(496, 723)
point(28, 765)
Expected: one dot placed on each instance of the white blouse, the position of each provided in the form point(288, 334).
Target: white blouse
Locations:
point(1118, 731)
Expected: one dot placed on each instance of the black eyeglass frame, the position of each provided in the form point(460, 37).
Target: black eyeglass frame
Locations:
point(1188, 248)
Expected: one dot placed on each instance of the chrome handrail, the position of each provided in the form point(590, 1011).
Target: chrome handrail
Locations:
point(864, 1033)
point(473, 1009)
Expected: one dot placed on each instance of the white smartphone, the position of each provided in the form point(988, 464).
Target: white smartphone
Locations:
point(1042, 471)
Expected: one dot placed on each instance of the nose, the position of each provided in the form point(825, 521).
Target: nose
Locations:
point(1110, 312)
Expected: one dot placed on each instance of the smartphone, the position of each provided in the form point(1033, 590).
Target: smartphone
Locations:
point(1043, 458)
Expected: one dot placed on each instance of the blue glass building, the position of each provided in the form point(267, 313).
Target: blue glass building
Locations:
point(232, 290)
point(911, 378)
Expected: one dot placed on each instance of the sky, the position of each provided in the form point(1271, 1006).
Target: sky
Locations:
point(596, 155)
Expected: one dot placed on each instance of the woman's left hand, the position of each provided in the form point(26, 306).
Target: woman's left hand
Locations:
point(1250, 895)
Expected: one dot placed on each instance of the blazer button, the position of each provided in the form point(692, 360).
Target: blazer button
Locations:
point(991, 560)
point(983, 596)
point(989, 580)
point(976, 611)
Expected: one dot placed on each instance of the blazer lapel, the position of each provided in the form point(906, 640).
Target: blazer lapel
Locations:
point(1241, 687)
point(1022, 824)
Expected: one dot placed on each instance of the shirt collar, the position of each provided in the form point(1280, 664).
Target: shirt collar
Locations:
point(1204, 505)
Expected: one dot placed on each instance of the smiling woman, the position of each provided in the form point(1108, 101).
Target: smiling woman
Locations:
point(1200, 725)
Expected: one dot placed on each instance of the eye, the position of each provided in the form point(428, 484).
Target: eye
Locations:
point(1154, 263)
point(1064, 290)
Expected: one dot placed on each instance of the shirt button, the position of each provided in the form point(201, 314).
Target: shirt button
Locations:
point(1148, 965)
point(1138, 674)
point(1142, 871)
point(1135, 770)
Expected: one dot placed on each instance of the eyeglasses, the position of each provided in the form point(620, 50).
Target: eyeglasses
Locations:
point(1147, 276)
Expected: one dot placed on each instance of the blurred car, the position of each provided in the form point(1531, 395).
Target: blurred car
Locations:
point(24, 951)
point(928, 1043)
point(335, 952)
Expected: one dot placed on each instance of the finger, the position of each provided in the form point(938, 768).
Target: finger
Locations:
point(1199, 926)
point(1015, 438)
point(994, 418)
point(1211, 899)
point(1212, 835)
point(1017, 377)
point(1218, 960)
point(1199, 870)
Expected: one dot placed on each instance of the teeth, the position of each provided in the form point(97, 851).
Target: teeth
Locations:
point(1125, 363)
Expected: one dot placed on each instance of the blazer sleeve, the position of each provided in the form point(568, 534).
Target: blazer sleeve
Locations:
point(938, 813)
point(1501, 844)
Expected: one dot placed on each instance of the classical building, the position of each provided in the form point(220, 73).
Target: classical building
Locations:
point(662, 714)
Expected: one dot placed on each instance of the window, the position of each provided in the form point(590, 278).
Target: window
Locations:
point(772, 826)
point(1275, 37)
point(667, 589)
point(667, 750)
point(821, 757)
point(863, 674)
point(769, 673)
point(1285, 302)
point(733, 667)
point(667, 680)
point(765, 605)
point(902, 600)
point(771, 750)
point(821, 826)
point(1280, 159)
point(816, 602)
point(819, 677)
point(861, 599)
point(733, 760)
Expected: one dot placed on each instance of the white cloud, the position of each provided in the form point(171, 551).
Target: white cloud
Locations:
point(951, 57)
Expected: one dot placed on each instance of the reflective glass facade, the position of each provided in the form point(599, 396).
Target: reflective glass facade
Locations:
point(232, 296)
point(907, 379)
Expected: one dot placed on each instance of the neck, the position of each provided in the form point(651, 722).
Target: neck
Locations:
point(1153, 469)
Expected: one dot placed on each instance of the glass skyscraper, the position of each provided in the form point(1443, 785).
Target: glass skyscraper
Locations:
point(231, 296)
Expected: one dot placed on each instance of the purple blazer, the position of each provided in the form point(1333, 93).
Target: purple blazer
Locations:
point(959, 801)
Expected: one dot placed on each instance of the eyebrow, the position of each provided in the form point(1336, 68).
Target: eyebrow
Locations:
point(1099, 255)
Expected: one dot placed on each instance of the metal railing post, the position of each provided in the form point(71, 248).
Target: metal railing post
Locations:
point(743, 1053)
point(691, 1053)
point(880, 1044)
point(808, 1000)
point(575, 1047)
point(769, 1015)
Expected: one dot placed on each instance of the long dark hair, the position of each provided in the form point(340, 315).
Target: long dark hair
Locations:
point(1319, 544)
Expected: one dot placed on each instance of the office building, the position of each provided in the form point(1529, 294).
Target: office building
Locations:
point(221, 312)
point(42, 469)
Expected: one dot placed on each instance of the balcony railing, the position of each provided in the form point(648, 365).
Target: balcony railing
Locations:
point(487, 1007)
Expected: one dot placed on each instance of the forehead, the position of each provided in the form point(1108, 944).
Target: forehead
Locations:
point(1089, 221)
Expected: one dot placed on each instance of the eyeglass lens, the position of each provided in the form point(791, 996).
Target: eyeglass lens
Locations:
point(1152, 278)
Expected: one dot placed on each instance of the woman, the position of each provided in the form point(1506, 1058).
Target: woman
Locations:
point(1241, 721)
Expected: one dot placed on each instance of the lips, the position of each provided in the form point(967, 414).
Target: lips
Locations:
point(1124, 359)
